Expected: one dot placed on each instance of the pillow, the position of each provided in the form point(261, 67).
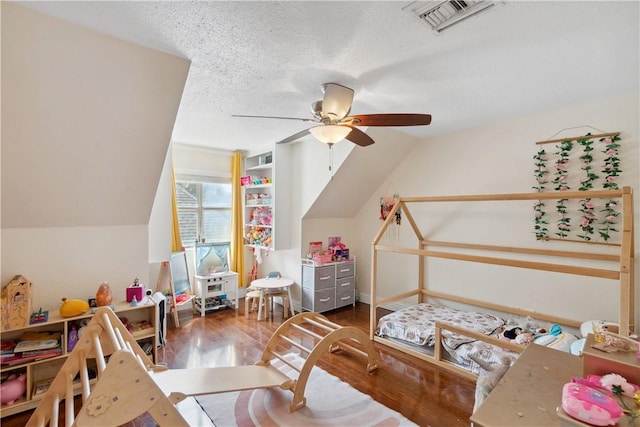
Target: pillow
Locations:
point(564, 341)
point(545, 340)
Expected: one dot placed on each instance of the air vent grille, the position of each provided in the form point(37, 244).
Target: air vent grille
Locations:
point(443, 14)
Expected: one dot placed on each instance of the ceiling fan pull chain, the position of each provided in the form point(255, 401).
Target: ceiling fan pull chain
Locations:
point(331, 160)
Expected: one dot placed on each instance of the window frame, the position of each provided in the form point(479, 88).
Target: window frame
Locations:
point(199, 180)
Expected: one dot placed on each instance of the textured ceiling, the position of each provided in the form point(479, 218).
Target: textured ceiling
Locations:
point(270, 58)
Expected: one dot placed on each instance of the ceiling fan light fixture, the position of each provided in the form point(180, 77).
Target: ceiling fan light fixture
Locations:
point(330, 134)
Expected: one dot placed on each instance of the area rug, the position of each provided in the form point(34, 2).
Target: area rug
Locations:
point(330, 402)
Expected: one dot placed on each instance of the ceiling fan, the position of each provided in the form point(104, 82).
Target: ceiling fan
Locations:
point(335, 124)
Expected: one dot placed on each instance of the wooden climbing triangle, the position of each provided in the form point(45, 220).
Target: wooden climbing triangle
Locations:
point(126, 374)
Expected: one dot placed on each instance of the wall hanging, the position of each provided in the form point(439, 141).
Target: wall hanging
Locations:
point(386, 206)
point(580, 163)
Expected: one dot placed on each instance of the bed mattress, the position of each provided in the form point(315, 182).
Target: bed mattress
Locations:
point(417, 324)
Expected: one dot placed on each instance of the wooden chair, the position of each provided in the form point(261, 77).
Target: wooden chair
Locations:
point(251, 301)
point(284, 296)
point(252, 298)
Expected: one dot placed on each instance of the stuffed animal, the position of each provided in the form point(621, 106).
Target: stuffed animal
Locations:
point(512, 333)
point(73, 307)
point(521, 336)
point(524, 338)
point(13, 388)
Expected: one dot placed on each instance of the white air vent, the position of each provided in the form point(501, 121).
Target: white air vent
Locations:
point(443, 14)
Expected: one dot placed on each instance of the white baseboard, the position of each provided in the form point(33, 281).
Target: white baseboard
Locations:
point(394, 306)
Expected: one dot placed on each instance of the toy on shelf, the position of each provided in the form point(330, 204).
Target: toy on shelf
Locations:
point(258, 199)
point(39, 316)
point(104, 296)
point(260, 216)
point(255, 180)
point(73, 307)
point(136, 290)
point(16, 303)
point(13, 388)
point(259, 236)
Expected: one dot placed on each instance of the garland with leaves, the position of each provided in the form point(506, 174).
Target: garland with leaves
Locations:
point(540, 172)
point(586, 205)
point(560, 181)
point(612, 172)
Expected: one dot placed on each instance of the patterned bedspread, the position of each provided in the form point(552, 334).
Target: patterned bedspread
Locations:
point(416, 324)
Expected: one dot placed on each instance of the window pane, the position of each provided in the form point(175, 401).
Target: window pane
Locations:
point(188, 219)
point(216, 225)
point(186, 194)
point(216, 195)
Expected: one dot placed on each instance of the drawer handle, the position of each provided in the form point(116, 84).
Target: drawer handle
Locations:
point(325, 278)
point(325, 299)
point(345, 284)
point(345, 298)
point(344, 270)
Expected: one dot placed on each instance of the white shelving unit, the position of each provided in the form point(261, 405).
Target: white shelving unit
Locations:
point(266, 200)
point(259, 200)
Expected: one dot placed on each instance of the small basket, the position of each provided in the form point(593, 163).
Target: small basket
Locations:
point(321, 258)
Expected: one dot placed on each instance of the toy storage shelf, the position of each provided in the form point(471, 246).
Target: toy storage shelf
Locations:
point(37, 371)
point(258, 200)
point(266, 203)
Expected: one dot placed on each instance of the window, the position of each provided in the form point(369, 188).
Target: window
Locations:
point(204, 209)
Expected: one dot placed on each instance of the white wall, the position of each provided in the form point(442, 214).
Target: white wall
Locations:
point(497, 158)
point(86, 126)
point(72, 262)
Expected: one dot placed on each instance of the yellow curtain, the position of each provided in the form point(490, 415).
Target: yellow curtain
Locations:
point(237, 234)
point(176, 238)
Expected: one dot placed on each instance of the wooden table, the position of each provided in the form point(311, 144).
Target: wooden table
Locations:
point(531, 390)
point(271, 284)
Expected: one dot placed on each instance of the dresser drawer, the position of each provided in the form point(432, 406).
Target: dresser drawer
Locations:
point(325, 299)
point(345, 298)
point(345, 291)
point(345, 269)
point(345, 284)
point(325, 277)
point(318, 301)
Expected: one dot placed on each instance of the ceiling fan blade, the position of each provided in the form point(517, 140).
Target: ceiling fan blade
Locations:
point(276, 117)
point(359, 138)
point(337, 101)
point(389, 119)
point(294, 137)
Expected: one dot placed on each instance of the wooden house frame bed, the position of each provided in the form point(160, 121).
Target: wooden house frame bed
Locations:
point(622, 268)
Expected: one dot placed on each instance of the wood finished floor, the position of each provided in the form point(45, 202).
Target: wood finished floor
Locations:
point(426, 395)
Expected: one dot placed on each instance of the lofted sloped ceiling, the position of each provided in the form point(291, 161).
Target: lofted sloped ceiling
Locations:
point(86, 123)
point(363, 170)
point(514, 59)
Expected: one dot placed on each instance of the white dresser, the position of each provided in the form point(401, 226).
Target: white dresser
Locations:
point(328, 286)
